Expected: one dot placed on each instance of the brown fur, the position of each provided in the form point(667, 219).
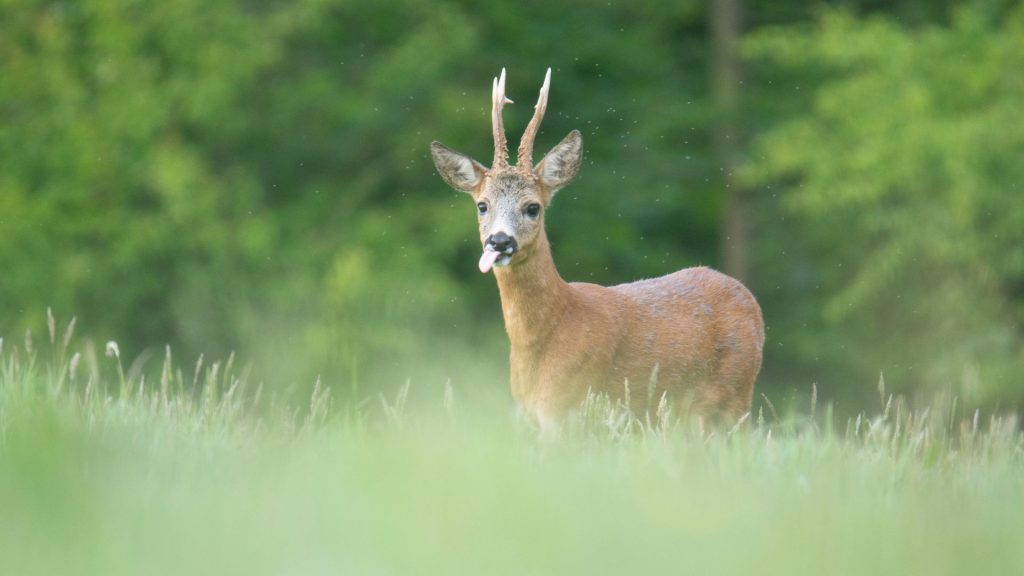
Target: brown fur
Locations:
point(697, 334)
point(700, 329)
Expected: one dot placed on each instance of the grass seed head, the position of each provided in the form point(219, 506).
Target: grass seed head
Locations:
point(51, 325)
point(73, 366)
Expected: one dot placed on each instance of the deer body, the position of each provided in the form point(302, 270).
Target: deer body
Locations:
point(696, 335)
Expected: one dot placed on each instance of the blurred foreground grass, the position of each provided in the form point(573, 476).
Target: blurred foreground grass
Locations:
point(201, 472)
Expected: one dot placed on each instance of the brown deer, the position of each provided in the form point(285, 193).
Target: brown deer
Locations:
point(696, 335)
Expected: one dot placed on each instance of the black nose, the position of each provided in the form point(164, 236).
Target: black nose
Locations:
point(502, 242)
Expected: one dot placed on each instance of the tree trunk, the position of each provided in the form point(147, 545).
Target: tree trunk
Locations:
point(726, 80)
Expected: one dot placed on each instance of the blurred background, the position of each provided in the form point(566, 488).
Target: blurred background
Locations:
point(254, 176)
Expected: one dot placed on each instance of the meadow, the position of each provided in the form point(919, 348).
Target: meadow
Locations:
point(256, 176)
point(198, 470)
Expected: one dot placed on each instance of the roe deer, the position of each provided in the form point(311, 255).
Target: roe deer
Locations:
point(696, 334)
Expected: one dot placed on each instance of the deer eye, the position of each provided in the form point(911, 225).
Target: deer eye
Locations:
point(481, 207)
point(532, 210)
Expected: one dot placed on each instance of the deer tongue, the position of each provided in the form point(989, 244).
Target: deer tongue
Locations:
point(487, 259)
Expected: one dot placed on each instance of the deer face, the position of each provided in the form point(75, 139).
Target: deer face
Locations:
point(508, 209)
point(511, 200)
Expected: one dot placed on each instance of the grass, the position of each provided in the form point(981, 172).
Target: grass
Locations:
point(200, 472)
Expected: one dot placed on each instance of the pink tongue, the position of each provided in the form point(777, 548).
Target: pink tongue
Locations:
point(488, 259)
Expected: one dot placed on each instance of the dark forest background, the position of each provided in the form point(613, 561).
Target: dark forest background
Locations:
point(254, 176)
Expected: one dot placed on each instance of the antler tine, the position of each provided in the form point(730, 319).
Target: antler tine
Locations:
point(526, 144)
point(498, 100)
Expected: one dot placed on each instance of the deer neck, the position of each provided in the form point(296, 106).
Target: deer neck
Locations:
point(533, 296)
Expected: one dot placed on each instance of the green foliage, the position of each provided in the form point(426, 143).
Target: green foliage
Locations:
point(119, 196)
point(902, 177)
point(255, 176)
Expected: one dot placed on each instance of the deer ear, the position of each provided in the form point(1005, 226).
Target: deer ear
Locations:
point(458, 170)
point(560, 165)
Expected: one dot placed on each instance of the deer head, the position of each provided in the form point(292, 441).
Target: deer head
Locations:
point(511, 200)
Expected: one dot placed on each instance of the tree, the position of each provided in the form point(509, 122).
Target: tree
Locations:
point(901, 181)
point(726, 16)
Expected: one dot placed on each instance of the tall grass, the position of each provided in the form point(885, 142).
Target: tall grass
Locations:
point(201, 471)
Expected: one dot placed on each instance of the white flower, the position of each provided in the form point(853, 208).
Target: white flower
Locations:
point(112, 350)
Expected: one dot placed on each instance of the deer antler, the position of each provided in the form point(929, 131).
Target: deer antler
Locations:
point(526, 144)
point(498, 100)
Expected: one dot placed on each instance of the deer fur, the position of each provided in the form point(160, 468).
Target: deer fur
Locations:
point(696, 335)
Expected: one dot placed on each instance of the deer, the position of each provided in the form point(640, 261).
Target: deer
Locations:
point(694, 337)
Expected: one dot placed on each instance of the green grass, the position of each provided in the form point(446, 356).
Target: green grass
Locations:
point(200, 472)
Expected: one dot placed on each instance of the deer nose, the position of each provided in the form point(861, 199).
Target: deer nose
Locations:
point(502, 242)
